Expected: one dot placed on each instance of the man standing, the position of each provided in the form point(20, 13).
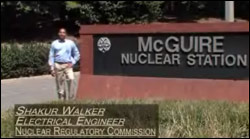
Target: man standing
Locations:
point(62, 57)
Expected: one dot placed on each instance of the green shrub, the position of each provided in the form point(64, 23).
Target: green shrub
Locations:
point(27, 59)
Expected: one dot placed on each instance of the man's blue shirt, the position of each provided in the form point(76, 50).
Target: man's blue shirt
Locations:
point(63, 52)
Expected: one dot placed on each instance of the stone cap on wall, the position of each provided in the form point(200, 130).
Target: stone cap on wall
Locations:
point(164, 28)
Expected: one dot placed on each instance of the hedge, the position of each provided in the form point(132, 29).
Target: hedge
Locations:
point(27, 59)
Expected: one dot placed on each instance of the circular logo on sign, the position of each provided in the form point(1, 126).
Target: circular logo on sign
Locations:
point(104, 44)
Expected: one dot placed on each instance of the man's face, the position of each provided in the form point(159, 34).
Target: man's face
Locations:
point(62, 34)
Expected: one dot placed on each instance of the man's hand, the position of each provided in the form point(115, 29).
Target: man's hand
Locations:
point(52, 72)
point(70, 65)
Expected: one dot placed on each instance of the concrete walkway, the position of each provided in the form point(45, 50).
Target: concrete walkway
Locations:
point(28, 90)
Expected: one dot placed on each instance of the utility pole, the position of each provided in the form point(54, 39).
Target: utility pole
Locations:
point(229, 11)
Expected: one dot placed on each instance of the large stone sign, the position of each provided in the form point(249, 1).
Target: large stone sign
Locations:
point(169, 61)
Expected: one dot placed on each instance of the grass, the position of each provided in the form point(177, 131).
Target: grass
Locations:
point(179, 118)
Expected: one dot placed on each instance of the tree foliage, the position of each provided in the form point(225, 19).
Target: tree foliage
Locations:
point(114, 11)
point(28, 17)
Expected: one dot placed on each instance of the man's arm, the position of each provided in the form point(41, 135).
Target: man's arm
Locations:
point(75, 54)
point(51, 57)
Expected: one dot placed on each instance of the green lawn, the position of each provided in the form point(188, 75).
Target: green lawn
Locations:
point(179, 118)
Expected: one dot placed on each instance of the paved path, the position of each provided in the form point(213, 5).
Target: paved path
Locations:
point(28, 90)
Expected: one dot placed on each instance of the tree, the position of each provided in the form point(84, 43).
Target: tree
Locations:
point(26, 18)
point(114, 11)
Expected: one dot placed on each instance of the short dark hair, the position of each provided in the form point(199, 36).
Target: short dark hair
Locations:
point(63, 29)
